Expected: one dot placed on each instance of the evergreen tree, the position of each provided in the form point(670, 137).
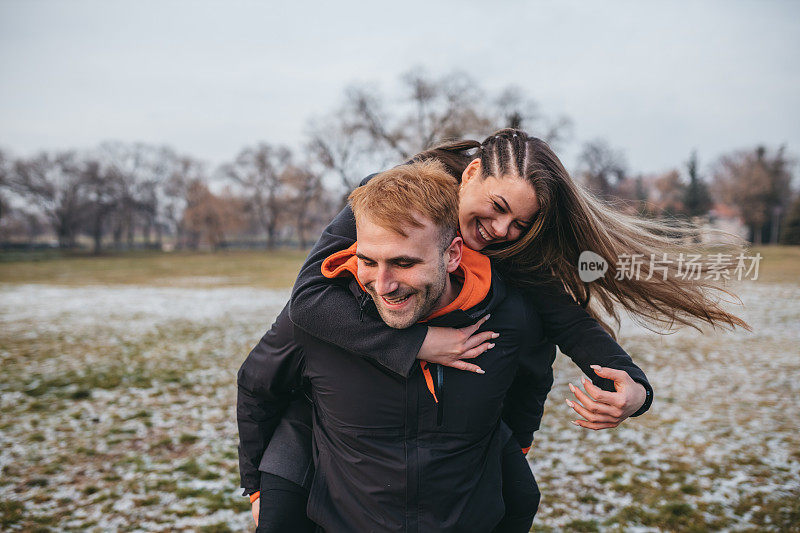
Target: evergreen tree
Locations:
point(791, 227)
point(696, 199)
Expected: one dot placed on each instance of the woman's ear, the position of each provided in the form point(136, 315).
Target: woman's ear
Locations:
point(472, 170)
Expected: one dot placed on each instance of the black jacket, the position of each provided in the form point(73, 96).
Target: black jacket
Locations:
point(324, 308)
point(387, 456)
point(279, 444)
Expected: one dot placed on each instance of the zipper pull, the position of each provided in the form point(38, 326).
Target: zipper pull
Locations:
point(361, 306)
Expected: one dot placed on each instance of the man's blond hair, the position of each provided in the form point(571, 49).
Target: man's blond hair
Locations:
point(401, 196)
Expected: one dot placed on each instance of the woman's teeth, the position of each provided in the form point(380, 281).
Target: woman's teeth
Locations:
point(483, 233)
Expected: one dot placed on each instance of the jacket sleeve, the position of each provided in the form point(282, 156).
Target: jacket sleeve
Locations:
point(524, 403)
point(583, 339)
point(267, 380)
point(326, 309)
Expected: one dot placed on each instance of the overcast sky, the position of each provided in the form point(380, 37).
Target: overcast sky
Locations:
point(656, 79)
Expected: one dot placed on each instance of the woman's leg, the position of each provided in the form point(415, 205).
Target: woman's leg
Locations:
point(520, 492)
point(282, 507)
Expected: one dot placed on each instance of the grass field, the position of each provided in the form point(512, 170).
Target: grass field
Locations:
point(118, 389)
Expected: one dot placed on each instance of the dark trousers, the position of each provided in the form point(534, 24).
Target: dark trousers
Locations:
point(283, 503)
point(520, 492)
point(282, 507)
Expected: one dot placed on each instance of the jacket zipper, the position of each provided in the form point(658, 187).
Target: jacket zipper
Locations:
point(439, 387)
point(361, 305)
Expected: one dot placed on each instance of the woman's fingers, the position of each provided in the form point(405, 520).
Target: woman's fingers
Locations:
point(597, 408)
point(475, 352)
point(590, 416)
point(463, 365)
point(600, 395)
point(478, 339)
point(617, 376)
point(594, 425)
point(469, 330)
point(254, 508)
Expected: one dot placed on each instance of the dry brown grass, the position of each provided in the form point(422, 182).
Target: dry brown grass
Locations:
point(276, 269)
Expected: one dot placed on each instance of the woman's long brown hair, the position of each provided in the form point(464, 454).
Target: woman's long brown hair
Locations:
point(571, 220)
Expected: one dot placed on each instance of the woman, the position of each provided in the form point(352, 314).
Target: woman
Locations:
point(519, 206)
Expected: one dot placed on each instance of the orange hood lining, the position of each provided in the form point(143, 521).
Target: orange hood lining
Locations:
point(474, 272)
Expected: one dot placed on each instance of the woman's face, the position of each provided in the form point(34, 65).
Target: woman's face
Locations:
point(494, 209)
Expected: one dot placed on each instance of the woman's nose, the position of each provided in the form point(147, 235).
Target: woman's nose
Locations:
point(500, 227)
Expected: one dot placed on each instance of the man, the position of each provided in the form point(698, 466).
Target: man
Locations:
point(410, 454)
point(413, 452)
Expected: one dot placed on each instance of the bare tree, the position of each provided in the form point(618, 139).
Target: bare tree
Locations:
point(175, 199)
point(448, 107)
point(602, 167)
point(516, 110)
point(54, 184)
point(428, 110)
point(102, 193)
point(758, 183)
point(338, 145)
point(668, 193)
point(5, 173)
point(305, 193)
point(369, 131)
point(142, 173)
point(258, 173)
point(208, 216)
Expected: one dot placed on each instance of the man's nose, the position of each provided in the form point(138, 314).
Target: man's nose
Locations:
point(385, 282)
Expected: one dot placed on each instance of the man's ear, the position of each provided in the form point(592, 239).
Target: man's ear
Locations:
point(472, 170)
point(453, 253)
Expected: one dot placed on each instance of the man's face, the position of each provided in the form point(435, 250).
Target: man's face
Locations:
point(405, 276)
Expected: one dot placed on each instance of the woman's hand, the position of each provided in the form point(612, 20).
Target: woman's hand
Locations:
point(450, 346)
point(603, 409)
point(254, 509)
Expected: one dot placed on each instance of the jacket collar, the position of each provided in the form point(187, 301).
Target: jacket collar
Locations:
point(480, 291)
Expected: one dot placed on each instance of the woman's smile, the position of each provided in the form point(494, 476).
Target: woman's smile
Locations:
point(482, 233)
point(493, 210)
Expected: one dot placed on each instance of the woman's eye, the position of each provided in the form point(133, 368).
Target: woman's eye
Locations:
point(498, 208)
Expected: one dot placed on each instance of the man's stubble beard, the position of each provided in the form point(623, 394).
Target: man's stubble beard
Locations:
point(432, 293)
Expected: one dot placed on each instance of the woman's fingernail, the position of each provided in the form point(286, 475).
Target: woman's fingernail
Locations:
point(480, 371)
point(495, 335)
point(491, 345)
point(571, 387)
point(576, 423)
point(570, 403)
point(595, 367)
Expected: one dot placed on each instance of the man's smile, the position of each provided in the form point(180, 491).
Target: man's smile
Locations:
point(397, 302)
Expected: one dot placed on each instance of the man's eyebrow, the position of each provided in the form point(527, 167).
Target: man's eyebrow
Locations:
point(405, 259)
point(398, 259)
